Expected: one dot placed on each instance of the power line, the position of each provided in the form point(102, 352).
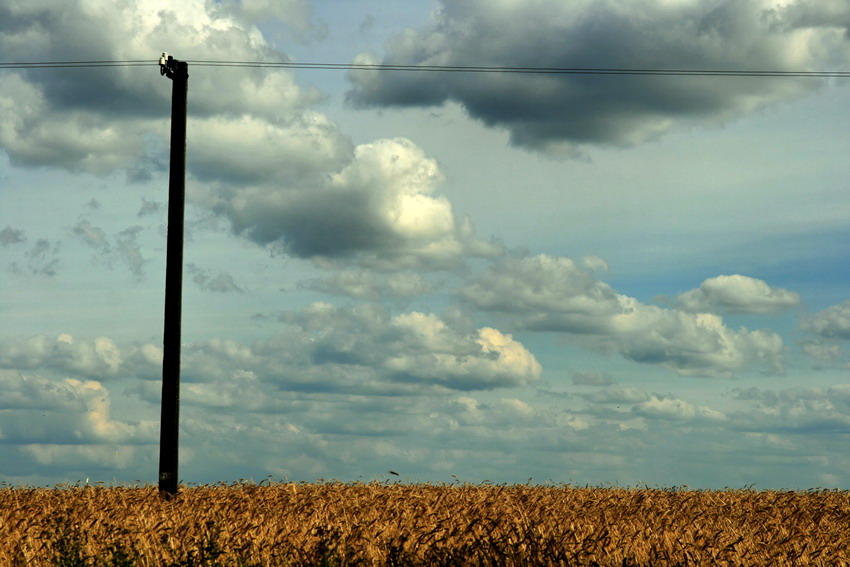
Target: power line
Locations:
point(521, 69)
point(75, 64)
point(439, 68)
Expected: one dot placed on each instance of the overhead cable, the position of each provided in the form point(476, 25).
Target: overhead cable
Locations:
point(521, 69)
point(438, 68)
point(74, 64)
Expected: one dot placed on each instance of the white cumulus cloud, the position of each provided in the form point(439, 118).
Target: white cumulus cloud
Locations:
point(359, 350)
point(379, 207)
point(555, 294)
point(100, 358)
point(41, 410)
point(737, 294)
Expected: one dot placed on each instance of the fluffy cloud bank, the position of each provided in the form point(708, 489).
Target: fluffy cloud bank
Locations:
point(379, 207)
point(100, 358)
point(673, 409)
point(557, 294)
point(361, 349)
point(101, 119)
point(410, 349)
point(554, 112)
point(737, 294)
point(71, 412)
point(258, 155)
point(831, 323)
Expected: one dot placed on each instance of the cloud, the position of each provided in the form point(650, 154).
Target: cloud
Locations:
point(99, 459)
point(9, 236)
point(40, 260)
point(618, 395)
point(557, 295)
point(148, 208)
point(673, 409)
point(554, 292)
point(561, 113)
point(795, 410)
point(31, 392)
point(219, 283)
point(364, 350)
point(497, 361)
point(692, 343)
point(100, 358)
point(127, 250)
point(102, 119)
point(831, 323)
point(736, 294)
point(64, 429)
point(295, 13)
point(363, 284)
point(69, 411)
point(91, 235)
point(466, 411)
point(379, 208)
point(296, 147)
point(822, 351)
point(282, 174)
point(592, 378)
point(36, 134)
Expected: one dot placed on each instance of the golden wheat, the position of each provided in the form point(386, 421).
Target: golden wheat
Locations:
point(397, 524)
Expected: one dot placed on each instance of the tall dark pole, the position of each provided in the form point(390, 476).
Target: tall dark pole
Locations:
point(178, 72)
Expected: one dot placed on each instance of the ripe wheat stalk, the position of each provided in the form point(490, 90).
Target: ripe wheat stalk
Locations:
point(334, 523)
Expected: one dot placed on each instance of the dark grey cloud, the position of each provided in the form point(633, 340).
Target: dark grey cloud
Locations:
point(617, 395)
point(139, 31)
point(68, 31)
point(148, 208)
point(562, 112)
point(585, 378)
point(11, 235)
point(126, 248)
point(218, 283)
point(93, 236)
point(42, 259)
point(130, 251)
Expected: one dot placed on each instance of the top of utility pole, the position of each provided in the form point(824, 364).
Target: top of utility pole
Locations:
point(173, 68)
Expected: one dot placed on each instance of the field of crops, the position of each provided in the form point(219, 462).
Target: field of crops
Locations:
point(420, 524)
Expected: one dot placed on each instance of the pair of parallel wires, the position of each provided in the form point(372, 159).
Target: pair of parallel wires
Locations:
point(433, 68)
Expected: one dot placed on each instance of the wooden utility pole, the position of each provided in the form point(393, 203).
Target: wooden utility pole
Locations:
point(178, 72)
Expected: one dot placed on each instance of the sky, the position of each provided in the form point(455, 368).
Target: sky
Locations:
point(459, 277)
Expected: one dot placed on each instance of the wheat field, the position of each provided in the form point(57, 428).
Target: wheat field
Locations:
point(393, 524)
